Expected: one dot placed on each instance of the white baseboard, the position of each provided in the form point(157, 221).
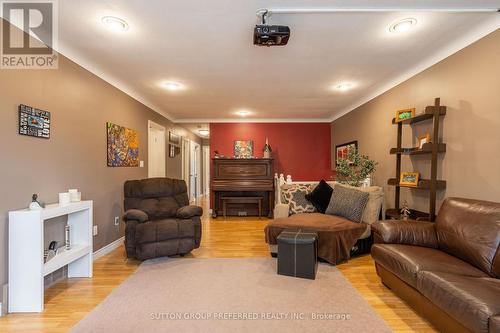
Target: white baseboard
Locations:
point(108, 248)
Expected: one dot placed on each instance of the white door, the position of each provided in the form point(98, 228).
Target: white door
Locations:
point(156, 150)
point(206, 170)
point(186, 157)
point(194, 179)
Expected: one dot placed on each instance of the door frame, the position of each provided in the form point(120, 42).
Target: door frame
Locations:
point(206, 169)
point(186, 158)
point(151, 125)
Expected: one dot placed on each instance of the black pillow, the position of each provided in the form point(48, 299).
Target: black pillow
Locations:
point(320, 196)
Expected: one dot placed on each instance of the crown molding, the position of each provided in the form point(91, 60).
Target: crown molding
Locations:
point(486, 28)
point(253, 120)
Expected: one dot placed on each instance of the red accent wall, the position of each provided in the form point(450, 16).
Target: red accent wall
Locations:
point(301, 150)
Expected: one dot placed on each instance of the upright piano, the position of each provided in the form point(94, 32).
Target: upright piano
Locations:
point(239, 177)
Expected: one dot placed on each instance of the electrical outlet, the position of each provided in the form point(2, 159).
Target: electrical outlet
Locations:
point(117, 220)
point(95, 231)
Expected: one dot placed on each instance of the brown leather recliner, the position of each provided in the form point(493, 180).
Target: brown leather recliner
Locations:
point(159, 220)
point(449, 270)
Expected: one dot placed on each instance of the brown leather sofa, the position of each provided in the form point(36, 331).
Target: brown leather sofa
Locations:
point(449, 270)
point(159, 220)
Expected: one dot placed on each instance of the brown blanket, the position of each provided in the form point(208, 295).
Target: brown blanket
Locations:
point(336, 235)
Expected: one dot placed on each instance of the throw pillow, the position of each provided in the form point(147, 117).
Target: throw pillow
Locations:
point(295, 197)
point(348, 203)
point(320, 196)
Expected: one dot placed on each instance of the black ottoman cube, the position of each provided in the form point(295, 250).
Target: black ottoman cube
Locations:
point(298, 253)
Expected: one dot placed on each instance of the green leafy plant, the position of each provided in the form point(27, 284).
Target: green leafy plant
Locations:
point(354, 168)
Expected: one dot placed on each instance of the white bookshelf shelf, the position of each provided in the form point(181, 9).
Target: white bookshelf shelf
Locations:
point(64, 257)
point(26, 252)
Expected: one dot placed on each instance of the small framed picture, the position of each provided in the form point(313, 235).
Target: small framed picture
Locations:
point(423, 140)
point(404, 114)
point(409, 179)
point(171, 151)
point(174, 138)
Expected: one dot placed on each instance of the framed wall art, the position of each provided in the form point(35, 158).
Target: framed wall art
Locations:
point(243, 149)
point(123, 146)
point(34, 122)
point(174, 138)
point(342, 151)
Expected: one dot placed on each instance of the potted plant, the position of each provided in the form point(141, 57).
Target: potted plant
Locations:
point(355, 168)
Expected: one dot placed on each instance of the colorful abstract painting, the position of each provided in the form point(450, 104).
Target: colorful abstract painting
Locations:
point(123, 146)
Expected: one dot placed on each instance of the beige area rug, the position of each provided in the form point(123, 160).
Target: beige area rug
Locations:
point(230, 295)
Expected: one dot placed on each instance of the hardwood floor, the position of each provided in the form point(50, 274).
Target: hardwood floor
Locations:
point(69, 301)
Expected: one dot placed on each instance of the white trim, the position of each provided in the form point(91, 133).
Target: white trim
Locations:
point(271, 11)
point(108, 248)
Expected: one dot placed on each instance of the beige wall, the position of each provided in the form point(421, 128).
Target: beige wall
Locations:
point(468, 83)
point(75, 156)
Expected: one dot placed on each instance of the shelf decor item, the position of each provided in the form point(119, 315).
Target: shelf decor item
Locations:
point(35, 204)
point(64, 198)
point(243, 149)
point(354, 168)
point(74, 195)
point(405, 114)
point(34, 122)
point(405, 211)
point(341, 151)
point(423, 140)
point(409, 179)
point(67, 242)
point(123, 146)
point(267, 150)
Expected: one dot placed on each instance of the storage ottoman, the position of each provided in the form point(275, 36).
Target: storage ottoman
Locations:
point(298, 253)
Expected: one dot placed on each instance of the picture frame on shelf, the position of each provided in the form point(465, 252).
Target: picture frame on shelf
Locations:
point(409, 179)
point(404, 114)
point(342, 150)
point(423, 139)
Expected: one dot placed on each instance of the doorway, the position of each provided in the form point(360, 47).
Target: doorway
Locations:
point(195, 171)
point(156, 150)
point(206, 170)
point(186, 169)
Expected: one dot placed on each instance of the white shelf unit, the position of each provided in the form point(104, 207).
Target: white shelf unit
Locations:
point(26, 248)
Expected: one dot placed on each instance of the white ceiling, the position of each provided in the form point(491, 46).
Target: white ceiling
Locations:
point(207, 46)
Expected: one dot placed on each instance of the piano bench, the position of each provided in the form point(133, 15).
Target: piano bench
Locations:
point(241, 200)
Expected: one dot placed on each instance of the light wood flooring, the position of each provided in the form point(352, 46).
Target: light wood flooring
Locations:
point(70, 300)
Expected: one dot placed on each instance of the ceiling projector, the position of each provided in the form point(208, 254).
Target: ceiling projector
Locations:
point(271, 35)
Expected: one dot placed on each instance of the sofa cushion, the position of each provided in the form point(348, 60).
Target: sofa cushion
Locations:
point(348, 203)
point(160, 230)
point(371, 213)
point(294, 195)
point(320, 196)
point(470, 230)
point(470, 300)
point(406, 261)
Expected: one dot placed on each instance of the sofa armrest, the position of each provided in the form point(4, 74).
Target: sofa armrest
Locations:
point(281, 211)
point(405, 232)
point(190, 211)
point(135, 215)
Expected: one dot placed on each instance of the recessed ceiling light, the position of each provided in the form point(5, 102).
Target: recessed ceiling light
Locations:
point(403, 25)
point(172, 85)
point(115, 23)
point(204, 132)
point(344, 86)
point(243, 113)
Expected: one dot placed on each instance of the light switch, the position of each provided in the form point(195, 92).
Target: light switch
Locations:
point(141, 164)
